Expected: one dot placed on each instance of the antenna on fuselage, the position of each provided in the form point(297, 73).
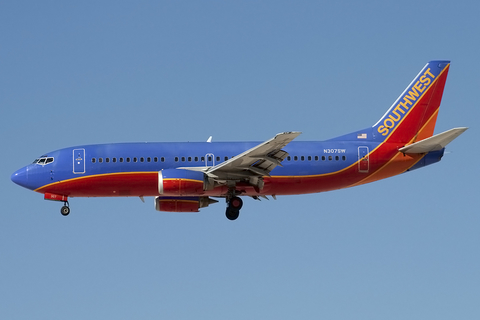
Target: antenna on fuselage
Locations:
point(209, 139)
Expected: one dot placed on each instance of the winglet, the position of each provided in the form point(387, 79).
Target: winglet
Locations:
point(435, 143)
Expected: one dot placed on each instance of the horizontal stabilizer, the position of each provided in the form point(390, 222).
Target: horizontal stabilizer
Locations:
point(435, 143)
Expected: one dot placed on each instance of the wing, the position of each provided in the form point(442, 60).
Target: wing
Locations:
point(256, 162)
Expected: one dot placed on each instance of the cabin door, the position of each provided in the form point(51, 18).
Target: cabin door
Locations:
point(363, 160)
point(78, 161)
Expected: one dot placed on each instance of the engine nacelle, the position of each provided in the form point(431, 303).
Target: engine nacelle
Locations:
point(182, 204)
point(179, 182)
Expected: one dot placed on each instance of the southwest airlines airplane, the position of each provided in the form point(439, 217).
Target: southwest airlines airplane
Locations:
point(184, 177)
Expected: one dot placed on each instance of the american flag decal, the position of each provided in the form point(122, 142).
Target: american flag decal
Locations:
point(362, 136)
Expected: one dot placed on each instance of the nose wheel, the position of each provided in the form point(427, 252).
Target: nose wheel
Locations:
point(233, 208)
point(65, 210)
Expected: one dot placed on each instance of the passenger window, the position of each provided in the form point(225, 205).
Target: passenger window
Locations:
point(202, 159)
point(149, 159)
point(134, 159)
point(183, 159)
point(218, 159)
point(162, 159)
point(209, 158)
point(155, 159)
point(330, 158)
point(107, 159)
point(142, 159)
point(121, 159)
point(93, 160)
point(176, 159)
point(337, 158)
point(295, 158)
point(316, 158)
point(114, 159)
point(309, 158)
point(128, 159)
point(302, 158)
point(289, 158)
point(323, 158)
point(196, 159)
point(344, 158)
point(100, 160)
point(189, 159)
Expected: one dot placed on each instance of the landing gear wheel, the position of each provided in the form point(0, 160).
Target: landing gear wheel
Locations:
point(236, 203)
point(232, 214)
point(233, 208)
point(65, 211)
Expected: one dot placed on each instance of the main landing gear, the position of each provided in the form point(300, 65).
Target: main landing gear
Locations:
point(65, 210)
point(233, 208)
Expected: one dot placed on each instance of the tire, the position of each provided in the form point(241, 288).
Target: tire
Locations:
point(236, 203)
point(232, 214)
point(65, 211)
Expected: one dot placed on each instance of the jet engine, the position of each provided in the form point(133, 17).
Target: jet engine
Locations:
point(179, 182)
point(182, 204)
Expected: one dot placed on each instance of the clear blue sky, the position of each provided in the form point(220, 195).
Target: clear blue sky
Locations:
point(99, 71)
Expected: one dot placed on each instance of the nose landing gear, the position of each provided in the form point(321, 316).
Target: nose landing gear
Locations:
point(65, 210)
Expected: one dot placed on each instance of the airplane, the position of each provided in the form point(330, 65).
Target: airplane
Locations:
point(185, 177)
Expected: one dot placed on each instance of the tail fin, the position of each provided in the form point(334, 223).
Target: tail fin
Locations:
point(413, 115)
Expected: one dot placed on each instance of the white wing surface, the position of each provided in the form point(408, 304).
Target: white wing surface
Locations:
point(255, 162)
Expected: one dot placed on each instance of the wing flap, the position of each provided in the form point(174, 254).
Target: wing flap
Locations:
point(434, 143)
point(257, 161)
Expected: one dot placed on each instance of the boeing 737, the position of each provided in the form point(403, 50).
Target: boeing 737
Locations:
point(184, 177)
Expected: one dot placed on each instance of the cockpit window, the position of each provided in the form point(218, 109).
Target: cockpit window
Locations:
point(43, 161)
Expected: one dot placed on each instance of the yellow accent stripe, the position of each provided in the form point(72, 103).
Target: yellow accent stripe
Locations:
point(288, 177)
point(383, 142)
point(435, 114)
point(92, 176)
point(393, 158)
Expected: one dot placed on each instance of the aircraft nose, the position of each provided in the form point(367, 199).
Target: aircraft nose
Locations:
point(20, 177)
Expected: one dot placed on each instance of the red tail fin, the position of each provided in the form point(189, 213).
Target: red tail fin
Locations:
point(413, 115)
